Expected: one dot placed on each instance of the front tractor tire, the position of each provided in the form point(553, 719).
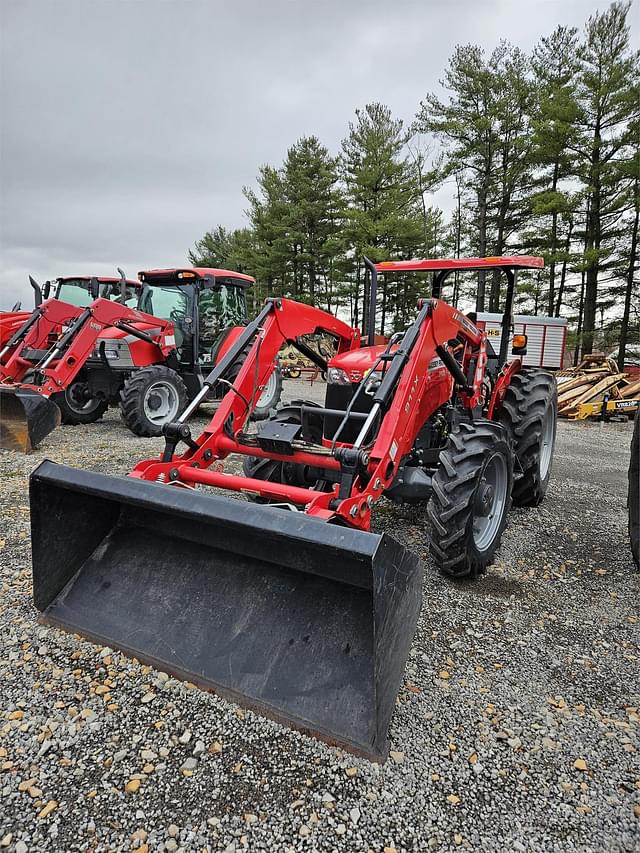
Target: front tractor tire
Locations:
point(529, 413)
point(77, 407)
point(152, 397)
point(471, 498)
point(269, 397)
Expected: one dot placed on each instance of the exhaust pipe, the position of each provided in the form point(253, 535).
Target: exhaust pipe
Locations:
point(305, 622)
point(26, 417)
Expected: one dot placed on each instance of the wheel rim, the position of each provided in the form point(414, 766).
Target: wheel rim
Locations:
point(75, 399)
point(547, 442)
point(161, 402)
point(489, 501)
point(269, 390)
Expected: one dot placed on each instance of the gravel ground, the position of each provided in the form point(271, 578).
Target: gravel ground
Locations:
point(517, 727)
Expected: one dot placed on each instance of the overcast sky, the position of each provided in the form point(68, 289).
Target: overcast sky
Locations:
point(128, 127)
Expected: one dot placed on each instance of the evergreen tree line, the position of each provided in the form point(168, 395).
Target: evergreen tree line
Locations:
point(541, 153)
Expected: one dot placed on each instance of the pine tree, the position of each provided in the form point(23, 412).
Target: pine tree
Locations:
point(224, 249)
point(267, 215)
point(628, 293)
point(555, 112)
point(483, 128)
point(607, 96)
point(383, 213)
point(312, 219)
point(514, 103)
point(465, 128)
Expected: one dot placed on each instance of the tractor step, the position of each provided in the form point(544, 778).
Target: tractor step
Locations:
point(306, 622)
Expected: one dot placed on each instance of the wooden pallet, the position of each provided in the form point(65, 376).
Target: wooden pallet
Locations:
point(583, 390)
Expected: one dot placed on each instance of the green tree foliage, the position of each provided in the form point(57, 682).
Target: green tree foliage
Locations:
point(542, 155)
point(295, 218)
point(223, 249)
point(314, 209)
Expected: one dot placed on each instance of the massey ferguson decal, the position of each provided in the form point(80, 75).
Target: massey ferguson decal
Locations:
point(465, 323)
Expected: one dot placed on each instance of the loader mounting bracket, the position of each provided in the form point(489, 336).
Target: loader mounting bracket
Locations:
point(278, 437)
point(174, 433)
point(352, 462)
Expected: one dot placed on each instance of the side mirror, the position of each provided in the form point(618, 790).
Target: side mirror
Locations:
point(519, 345)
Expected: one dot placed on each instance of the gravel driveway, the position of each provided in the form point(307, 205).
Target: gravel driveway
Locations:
point(517, 727)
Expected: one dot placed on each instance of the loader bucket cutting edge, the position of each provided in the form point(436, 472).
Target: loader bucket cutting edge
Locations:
point(305, 622)
point(26, 417)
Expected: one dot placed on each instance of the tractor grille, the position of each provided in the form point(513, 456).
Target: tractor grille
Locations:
point(339, 397)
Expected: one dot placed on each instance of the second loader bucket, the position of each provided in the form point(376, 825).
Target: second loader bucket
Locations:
point(26, 417)
point(305, 622)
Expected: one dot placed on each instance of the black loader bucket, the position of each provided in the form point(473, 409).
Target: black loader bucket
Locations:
point(305, 622)
point(26, 417)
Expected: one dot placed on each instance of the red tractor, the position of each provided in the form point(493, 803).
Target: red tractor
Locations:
point(86, 355)
point(289, 604)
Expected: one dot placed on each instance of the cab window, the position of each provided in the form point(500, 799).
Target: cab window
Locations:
point(168, 303)
point(75, 293)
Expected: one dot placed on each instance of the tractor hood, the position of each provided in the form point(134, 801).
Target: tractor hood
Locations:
point(358, 362)
point(120, 334)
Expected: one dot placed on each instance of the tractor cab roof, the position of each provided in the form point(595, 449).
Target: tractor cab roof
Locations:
point(102, 279)
point(189, 274)
point(436, 265)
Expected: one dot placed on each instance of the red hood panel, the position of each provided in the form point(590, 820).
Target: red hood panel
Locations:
point(357, 361)
point(118, 334)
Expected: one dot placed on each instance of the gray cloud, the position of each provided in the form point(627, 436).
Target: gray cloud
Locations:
point(129, 128)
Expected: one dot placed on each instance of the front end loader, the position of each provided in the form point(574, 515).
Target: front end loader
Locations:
point(287, 602)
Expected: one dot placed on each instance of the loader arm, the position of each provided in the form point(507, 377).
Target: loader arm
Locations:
point(366, 468)
point(45, 323)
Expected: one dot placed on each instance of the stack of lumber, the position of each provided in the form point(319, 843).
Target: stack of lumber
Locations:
point(582, 389)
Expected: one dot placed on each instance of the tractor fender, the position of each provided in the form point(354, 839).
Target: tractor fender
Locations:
point(230, 337)
point(500, 388)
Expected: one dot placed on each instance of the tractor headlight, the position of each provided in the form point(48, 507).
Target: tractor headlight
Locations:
point(372, 381)
point(337, 376)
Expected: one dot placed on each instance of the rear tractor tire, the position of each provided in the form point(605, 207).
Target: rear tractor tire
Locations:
point(471, 498)
point(529, 413)
point(634, 491)
point(78, 408)
point(152, 397)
